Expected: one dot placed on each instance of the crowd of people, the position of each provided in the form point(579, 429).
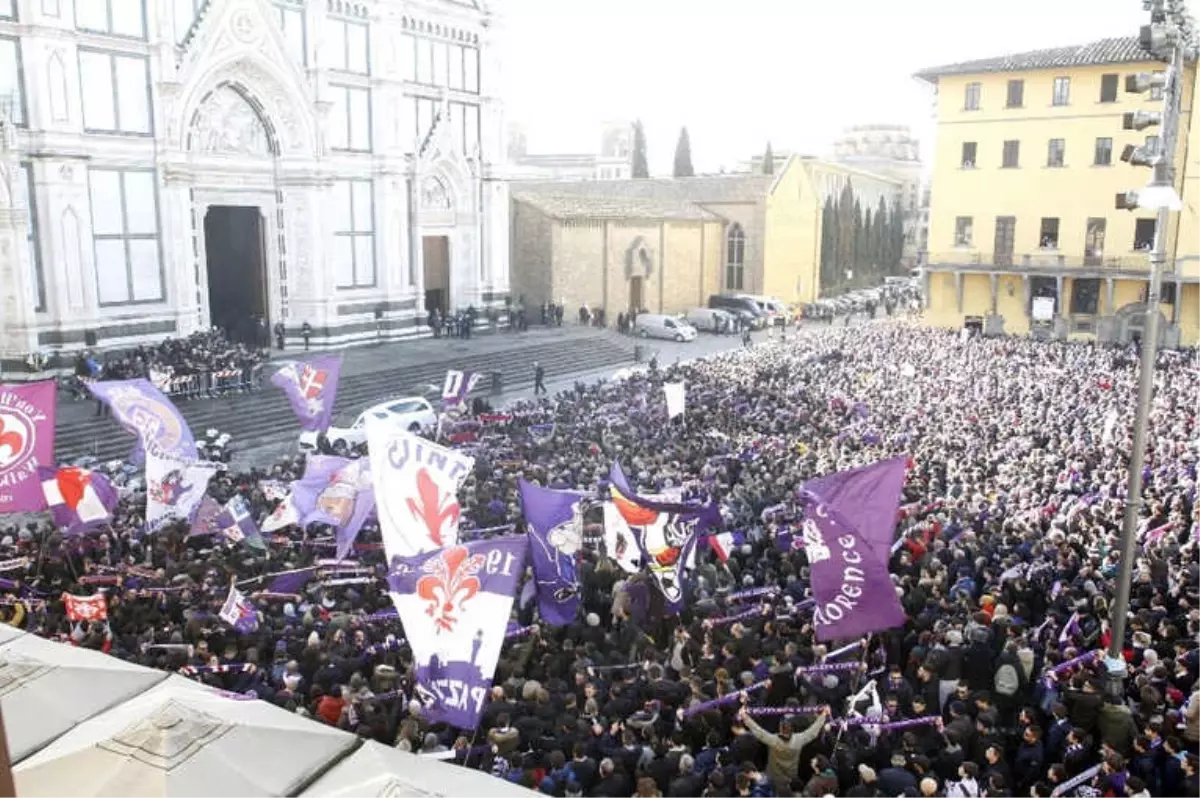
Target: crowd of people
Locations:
point(187, 364)
point(1010, 523)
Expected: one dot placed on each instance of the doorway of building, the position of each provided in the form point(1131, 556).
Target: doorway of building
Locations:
point(436, 250)
point(235, 251)
point(635, 294)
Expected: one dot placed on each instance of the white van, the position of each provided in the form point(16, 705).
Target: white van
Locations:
point(658, 325)
point(710, 319)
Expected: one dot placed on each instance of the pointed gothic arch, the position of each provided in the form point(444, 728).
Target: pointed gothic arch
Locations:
point(284, 109)
point(229, 119)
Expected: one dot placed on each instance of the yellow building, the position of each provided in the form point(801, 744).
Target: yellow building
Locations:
point(667, 244)
point(1026, 169)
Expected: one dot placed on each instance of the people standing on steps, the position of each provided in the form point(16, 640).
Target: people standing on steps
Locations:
point(280, 332)
point(306, 333)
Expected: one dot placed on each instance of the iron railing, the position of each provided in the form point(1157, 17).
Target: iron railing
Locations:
point(1036, 260)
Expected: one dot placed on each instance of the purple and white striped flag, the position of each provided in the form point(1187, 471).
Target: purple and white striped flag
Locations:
point(458, 386)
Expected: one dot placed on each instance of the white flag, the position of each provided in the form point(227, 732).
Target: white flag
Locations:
point(174, 487)
point(619, 541)
point(676, 398)
point(285, 515)
point(416, 490)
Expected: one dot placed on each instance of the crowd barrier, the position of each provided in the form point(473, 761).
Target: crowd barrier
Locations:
point(201, 385)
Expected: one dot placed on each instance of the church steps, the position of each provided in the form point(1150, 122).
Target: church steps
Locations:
point(266, 416)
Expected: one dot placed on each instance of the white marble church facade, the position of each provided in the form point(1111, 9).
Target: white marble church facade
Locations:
point(365, 136)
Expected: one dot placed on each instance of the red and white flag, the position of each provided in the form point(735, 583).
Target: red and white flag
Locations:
point(86, 608)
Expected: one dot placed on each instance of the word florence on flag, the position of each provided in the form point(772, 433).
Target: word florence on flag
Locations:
point(847, 534)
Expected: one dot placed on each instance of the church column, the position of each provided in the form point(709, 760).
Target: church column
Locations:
point(18, 336)
point(310, 283)
point(1061, 301)
point(994, 279)
point(958, 292)
point(180, 249)
point(1110, 288)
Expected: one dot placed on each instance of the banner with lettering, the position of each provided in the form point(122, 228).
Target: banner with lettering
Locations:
point(850, 518)
point(143, 410)
point(454, 604)
point(26, 442)
point(416, 490)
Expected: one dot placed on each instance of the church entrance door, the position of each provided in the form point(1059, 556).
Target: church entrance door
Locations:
point(436, 250)
point(235, 251)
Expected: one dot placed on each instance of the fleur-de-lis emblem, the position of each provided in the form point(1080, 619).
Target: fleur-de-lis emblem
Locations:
point(450, 582)
point(11, 438)
point(429, 508)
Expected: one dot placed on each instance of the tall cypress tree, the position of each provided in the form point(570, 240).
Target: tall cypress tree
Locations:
point(896, 244)
point(856, 242)
point(845, 234)
point(768, 164)
point(881, 236)
point(640, 166)
point(683, 155)
point(866, 255)
point(828, 245)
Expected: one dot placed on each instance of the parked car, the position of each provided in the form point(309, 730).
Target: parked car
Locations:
point(658, 325)
point(710, 319)
point(740, 304)
point(412, 413)
point(775, 311)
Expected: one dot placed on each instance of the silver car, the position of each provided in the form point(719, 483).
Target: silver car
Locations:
point(658, 325)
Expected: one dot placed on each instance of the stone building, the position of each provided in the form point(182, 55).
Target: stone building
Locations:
point(667, 244)
point(891, 151)
point(178, 163)
point(613, 160)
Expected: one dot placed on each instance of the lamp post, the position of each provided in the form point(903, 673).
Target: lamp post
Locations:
point(1168, 33)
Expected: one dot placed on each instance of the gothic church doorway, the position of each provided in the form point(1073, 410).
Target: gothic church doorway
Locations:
point(235, 251)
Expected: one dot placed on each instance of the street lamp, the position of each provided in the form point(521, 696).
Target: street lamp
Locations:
point(1167, 37)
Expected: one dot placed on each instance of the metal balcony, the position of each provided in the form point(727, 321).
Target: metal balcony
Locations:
point(1041, 260)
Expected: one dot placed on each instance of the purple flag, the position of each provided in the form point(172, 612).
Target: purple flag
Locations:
point(78, 499)
point(239, 612)
point(291, 581)
point(205, 520)
point(666, 532)
point(458, 386)
point(555, 521)
point(847, 533)
point(237, 524)
point(454, 604)
point(143, 410)
point(337, 491)
point(311, 388)
point(26, 442)
point(867, 499)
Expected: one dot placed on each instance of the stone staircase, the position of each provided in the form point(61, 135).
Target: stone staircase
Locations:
point(264, 418)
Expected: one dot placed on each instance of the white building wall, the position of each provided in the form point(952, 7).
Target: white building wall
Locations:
point(284, 149)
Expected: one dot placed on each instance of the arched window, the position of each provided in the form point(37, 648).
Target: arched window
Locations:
point(735, 258)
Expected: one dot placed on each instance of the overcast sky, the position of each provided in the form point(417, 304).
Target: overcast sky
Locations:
point(742, 72)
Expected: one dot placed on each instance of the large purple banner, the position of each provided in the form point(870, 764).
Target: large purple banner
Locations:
point(26, 442)
point(555, 522)
point(847, 534)
point(143, 410)
point(455, 603)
